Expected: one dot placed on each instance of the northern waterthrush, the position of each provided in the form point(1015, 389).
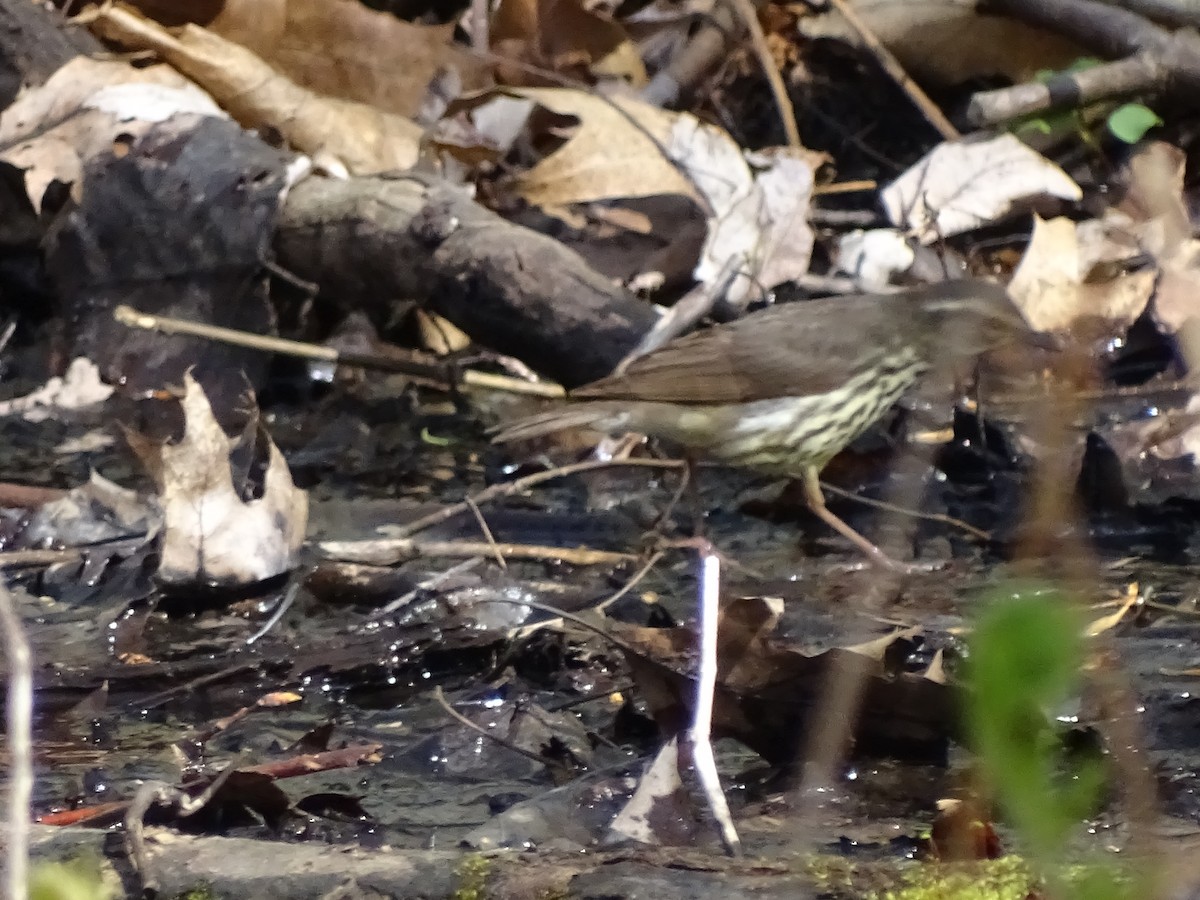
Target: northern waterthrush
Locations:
point(782, 391)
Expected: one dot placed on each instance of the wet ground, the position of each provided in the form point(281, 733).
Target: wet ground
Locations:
point(133, 684)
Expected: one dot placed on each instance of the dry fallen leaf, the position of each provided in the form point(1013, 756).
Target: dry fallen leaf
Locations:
point(660, 811)
point(762, 223)
point(1153, 203)
point(563, 36)
point(52, 130)
point(278, 698)
point(766, 693)
point(756, 204)
point(364, 139)
point(616, 151)
point(92, 513)
point(1108, 622)
point(1154, 213)
point(962, 185)
point(210, 535)
point(1050, 288)
point(338, 48)
point(1177, 300)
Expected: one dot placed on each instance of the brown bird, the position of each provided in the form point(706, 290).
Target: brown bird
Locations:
point(782, 391)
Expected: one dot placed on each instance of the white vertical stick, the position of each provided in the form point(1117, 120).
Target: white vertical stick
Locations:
point(20, 747)
point(706, 680)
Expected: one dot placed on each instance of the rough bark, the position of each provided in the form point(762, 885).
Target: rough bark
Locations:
point(370, 241)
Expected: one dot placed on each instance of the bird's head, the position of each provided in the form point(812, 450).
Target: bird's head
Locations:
point(966, 318)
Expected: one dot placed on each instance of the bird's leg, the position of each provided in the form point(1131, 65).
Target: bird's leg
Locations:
point(695, 501)
point(816, 502)
point(688, 485)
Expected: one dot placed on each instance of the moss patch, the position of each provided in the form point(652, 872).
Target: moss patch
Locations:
point(473, 874)
point(77, 879)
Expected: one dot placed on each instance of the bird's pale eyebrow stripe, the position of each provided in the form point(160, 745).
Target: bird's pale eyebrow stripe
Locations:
point(957, 304)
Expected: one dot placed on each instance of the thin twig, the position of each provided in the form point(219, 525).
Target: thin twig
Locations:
point(685, 481)
point(156, 700)
point(911, 513)
point(18, 559)
point(413, 364)
point(684, 313)
point(762, 50)
point(1184, 387)
point(10, 328)
point(632, 582)
point(309, 288)
point(892, 66)
point(158, 793)
point(467, 723)
point(20, 747)
point(282, 607)
point(389, 551)
point(846, 187)
point(566, 616)
point(605, 694)
point(509, 488)
point(427, 585)
point(840, 218)
point(487, 533)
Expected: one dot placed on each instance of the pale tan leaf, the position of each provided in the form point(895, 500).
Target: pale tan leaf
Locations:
point(210, 535)
point(618, 150)
point(564, 36)
point(337, 48)
point(364, 139)
point(757, 217)
point(1049, 284)
point(52, 130)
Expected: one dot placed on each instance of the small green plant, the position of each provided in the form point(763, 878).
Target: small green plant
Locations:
point(1025, 661)
point(1026, 657)
point(1128, 122)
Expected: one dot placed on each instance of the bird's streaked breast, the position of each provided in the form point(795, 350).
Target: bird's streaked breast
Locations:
point(783, 436)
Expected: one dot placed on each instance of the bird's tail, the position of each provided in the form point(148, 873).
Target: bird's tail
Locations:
point(601, 416)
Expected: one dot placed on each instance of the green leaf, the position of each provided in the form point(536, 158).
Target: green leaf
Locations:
point(1038, 126)
point(1129, 123)
point(434, 440)
point(1026, 654)
point(1080, 65)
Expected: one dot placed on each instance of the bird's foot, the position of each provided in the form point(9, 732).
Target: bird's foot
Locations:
point(889, 563)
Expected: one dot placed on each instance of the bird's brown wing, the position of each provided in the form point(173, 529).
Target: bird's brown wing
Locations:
point(794, 350)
